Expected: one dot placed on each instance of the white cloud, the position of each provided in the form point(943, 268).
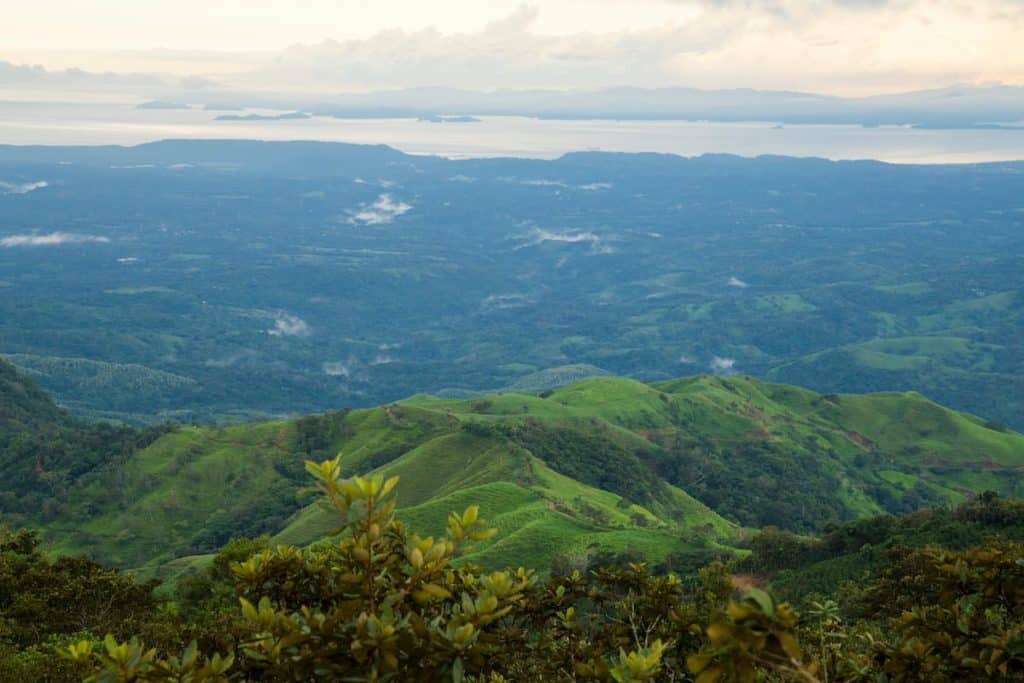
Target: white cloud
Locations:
point(547, 182)
point(853, 46)
point(503, 301)
point(538, 182)
point(48, 240)
point(338, 368)
point(723, 365)
point(288, 325)
point(538, 236)
point(838, 46)
point(21, 188)
point(383, 210)
point(736, 282)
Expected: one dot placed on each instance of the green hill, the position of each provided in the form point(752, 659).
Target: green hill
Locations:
point(604, 465)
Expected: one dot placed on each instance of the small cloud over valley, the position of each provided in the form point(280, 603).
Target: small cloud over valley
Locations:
point(382, 211)
point(504, 301)
point(339, 368)
point(287, 325)
point(21, 188)
point(723, 366)
point(538, 236)
point(49, 240)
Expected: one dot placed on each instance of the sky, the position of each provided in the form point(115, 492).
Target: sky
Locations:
point(843, 47)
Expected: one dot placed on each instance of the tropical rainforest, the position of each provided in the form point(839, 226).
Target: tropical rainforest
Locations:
point(196, 280)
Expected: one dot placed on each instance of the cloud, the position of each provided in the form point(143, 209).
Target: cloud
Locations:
point(20, 74)
point(537, 182)
point(853, 46)
point(546, 182)
point(736, 282)
point(723, 366)
point(49, 240)
point(847, 46)
point(507, 53)
point(21, 188)
point(339, 368)
point(538, 236)
point(504, 301)
point(288, 325)
point(383, 210)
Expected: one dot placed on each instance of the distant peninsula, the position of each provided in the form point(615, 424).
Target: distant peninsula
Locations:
point(290, 116)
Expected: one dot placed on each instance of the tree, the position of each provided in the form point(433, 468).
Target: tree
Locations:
point(377, 603)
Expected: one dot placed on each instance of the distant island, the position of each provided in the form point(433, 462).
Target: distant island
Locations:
point(448, 119)
point(290, 116)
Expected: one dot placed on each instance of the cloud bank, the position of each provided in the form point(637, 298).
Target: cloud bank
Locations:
point(841, 47)
point(49, 240)
point(837, 46)
point(21, 188)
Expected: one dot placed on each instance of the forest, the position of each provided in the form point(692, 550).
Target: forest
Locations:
point(232, 280)
point(934, 596)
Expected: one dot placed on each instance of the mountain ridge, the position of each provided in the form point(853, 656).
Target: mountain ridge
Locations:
point(600, 465)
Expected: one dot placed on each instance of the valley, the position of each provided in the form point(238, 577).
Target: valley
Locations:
point(222, 281)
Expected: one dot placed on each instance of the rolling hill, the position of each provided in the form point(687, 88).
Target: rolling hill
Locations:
point(608, 464)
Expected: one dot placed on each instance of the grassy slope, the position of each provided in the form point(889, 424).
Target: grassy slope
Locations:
point(538, 512)
point(194, 477)
point(180, 484)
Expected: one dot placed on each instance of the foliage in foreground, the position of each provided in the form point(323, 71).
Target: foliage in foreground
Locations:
point(375, 602)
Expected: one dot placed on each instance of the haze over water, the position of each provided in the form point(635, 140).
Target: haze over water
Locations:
point(95, 124)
